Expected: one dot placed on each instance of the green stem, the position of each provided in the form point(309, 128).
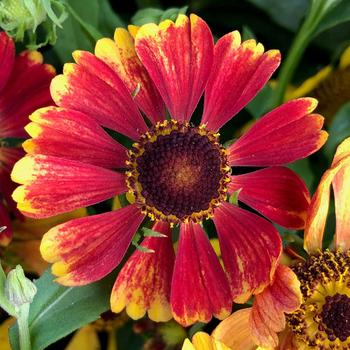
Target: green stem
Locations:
point(22, 320)
point(301, 41)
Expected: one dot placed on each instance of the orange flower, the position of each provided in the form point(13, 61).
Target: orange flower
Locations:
point(323, 319)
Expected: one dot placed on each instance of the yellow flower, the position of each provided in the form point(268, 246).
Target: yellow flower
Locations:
point(203, 341)
point(87, 338)
point(330, 86)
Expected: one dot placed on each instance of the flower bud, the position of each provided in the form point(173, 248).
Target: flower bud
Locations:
point(19, 289)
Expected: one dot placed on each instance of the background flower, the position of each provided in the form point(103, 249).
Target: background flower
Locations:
point(24, 87)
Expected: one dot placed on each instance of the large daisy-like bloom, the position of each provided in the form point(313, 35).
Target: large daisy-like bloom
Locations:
point(330, 86)
point(178, 172)
point(323, 319)
point(24, 87)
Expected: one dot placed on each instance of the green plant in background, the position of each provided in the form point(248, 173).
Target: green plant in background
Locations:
point(20, 17)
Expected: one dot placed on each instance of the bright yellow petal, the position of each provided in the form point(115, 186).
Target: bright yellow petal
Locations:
point(187, 345)
point(345, 58)
point(203, 341)
point(308, 85)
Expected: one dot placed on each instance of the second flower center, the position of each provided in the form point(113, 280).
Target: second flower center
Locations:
point(336, 316)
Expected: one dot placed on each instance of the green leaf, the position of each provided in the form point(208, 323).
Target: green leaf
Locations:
point(155, 15)
point(261, 103)
point(339, 130)
point(303, 169)
point(147, 15)
point(147, 232)
point(247, 33)
point(339, 14)
point(233, 199)
point(80, 30)
point(108, 20)
point(57, 311)
point(288, 14)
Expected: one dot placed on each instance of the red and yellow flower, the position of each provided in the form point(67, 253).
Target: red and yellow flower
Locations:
point(323, 318)
point(24, 87)
point(178, 173)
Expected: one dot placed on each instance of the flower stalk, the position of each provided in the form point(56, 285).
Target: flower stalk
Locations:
point(318, 9)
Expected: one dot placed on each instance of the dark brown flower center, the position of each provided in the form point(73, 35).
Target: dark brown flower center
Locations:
point(336, 316)
point(178, 172)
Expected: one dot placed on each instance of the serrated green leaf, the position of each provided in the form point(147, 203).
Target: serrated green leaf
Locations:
point(57, 311)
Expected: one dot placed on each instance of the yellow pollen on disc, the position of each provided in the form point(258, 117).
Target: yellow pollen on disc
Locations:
point(323, 320)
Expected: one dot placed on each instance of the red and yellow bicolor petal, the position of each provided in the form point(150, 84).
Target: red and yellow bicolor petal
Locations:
point(277, 193)
point(239, 72)
point(338, 176)
point(178, 57)
point(26, 90)
point(203, 341)
point(250, 248)
point(93, 88)
point(199, 288)
point(143, 284)
point(121, 56)
point(286, 134)
point(87, 249)
point(7, 54)
point(69, 134)
point(267, 315)
point(235, 331)
point(52, 185)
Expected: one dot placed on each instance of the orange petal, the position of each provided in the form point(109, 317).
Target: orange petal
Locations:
point(318, 210)
point(235, 331)
point(282, 296)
